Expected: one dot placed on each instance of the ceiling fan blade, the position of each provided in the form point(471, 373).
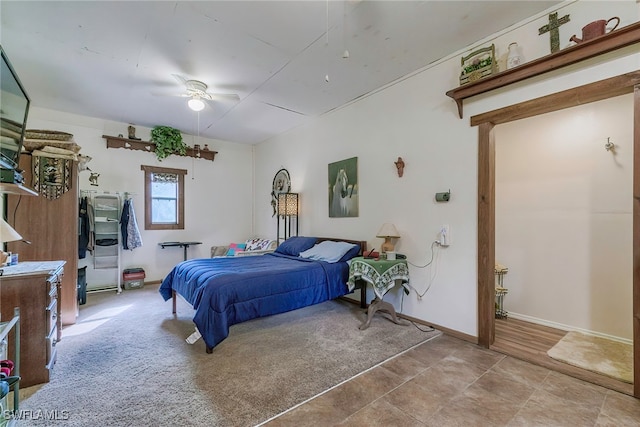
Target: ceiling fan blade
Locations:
point(180, 79)
point(169, 94)
point(224, 96)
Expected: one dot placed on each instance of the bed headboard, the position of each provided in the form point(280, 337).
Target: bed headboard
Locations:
point(361, 243)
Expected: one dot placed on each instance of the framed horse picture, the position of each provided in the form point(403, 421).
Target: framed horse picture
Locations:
point(343, 188)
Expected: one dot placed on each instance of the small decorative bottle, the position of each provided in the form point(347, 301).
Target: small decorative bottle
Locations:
point(513, 58)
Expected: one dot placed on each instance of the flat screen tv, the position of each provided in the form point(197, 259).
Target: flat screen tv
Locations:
point(14, 108)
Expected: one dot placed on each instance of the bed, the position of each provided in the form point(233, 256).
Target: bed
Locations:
point(230, 290)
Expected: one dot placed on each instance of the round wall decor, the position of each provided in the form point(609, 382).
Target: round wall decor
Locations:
point(281, 184)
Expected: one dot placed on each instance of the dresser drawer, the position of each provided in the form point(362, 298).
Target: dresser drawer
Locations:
point(52, 315)
point(53, 293)
point(52, 340)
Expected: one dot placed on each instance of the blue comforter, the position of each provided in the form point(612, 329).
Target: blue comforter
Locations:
point(226, 291)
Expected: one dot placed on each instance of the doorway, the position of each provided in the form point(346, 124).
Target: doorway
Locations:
point(624, 84)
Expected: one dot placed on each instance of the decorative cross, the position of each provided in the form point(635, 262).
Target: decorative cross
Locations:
point(552, 28)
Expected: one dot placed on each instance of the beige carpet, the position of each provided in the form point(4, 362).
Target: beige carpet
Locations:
point(126, 363)
point(604, 356)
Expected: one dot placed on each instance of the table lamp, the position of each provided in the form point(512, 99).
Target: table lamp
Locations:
point(388, 231)
point(7, 234)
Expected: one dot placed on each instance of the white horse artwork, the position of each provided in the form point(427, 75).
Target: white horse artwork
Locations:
point(344, 197)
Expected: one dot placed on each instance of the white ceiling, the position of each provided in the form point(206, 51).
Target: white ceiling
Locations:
point(115, 59)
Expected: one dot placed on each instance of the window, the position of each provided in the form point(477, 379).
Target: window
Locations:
point(163, 198)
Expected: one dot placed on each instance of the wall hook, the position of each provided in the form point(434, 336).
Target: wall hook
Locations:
point(610, 146)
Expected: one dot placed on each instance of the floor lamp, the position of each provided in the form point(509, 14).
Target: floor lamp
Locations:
point(287, 212)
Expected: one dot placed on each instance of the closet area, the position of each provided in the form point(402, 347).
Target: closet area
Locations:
point(104, 219)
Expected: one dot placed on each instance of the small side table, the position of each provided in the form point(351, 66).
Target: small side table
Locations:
point(382, 274)
point(185, 245)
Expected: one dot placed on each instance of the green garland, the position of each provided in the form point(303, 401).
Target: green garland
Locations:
point(168, 141)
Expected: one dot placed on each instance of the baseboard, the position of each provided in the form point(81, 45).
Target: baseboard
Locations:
point(567, 328)
point(447, 331)
point(107, 288)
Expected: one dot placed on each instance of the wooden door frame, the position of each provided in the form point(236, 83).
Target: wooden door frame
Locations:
point(597, 91)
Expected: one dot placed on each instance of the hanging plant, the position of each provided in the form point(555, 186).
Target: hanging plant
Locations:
point(168, 141)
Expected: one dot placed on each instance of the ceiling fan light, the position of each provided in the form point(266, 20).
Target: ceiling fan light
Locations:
point(196, 104)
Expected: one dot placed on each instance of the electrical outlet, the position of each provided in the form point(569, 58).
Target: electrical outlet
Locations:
point(445, 235)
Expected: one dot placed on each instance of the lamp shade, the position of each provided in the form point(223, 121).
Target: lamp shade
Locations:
point(388, 230)
point(288, 204)
point(7, 233)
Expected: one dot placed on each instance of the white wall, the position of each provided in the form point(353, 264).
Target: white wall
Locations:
point(415, 120)
point(218, 194)
point(564, 216)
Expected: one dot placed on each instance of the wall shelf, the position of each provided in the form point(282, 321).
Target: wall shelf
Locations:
point(132, 144)
point(18, 189)
point(617, 39)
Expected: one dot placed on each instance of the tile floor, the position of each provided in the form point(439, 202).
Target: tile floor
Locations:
point(449, 382)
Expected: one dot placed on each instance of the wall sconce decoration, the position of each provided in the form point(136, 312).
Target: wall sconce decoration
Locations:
point(388, 231)
point(399, 166)
point(288, 208)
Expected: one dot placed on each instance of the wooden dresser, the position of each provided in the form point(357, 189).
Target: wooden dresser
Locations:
point(34, 288)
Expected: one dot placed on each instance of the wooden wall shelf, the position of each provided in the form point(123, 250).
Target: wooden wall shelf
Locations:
point(132, 144)
point(617, 39)
point(18, 189)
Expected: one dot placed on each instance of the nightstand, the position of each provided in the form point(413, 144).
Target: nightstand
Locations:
point(382, 275)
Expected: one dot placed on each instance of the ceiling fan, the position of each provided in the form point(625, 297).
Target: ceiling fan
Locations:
point(197, 93)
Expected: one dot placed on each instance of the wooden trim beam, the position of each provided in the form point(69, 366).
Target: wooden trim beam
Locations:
point(617, 39)
point(486, 234)
point(597, 91)
point(636, 241)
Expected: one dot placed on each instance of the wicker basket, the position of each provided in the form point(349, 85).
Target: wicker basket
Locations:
point(48, 134)
point(37, 144)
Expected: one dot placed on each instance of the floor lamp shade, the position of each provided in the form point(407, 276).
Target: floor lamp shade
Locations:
point(288, 207)
point(288, 204)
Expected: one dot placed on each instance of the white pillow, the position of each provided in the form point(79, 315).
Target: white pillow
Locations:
point(327, 251)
